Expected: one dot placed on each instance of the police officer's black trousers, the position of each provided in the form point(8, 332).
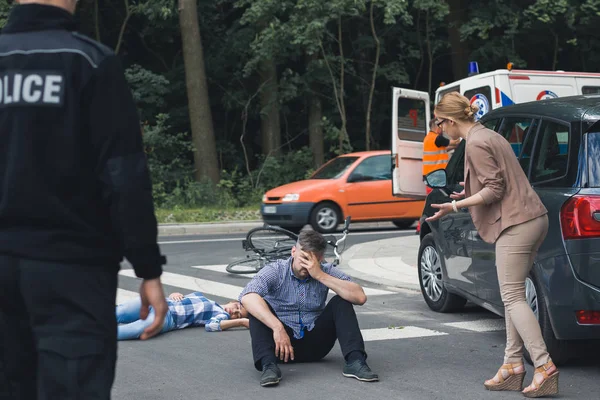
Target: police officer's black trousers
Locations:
point(58, 330)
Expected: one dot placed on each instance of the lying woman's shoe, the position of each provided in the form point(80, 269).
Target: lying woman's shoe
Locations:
point(544, 383)
point(509, 377)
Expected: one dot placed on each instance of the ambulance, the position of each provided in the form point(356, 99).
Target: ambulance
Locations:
point(412, 110)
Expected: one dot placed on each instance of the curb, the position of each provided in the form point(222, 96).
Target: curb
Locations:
point(354, 253)
point(207, 228)
point(236, 227)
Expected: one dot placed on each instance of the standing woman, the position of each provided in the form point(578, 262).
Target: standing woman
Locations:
point(506, 211)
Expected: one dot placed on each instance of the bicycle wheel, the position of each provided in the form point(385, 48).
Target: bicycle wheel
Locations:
point(271, 240)
point(249, 265)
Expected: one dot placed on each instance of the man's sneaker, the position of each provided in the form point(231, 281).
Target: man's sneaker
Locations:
point(271, 375)
point(360, 370)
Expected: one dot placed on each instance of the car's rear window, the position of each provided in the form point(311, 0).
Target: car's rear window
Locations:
point(335, 168)
point(593, 158)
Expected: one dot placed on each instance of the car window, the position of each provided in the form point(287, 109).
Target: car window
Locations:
point(444, 92)
point(516, 130)
point(335, 168)
point(491, 124)
point(593, 159)
point(590, 90)
point(412, 124)
point(376, 168)
point(481, 97)
point(551, 153)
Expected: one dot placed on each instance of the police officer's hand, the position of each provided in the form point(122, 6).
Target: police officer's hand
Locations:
point(152, 294)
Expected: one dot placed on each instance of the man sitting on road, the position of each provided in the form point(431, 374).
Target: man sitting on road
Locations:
point(183, 311)
point(290, 318)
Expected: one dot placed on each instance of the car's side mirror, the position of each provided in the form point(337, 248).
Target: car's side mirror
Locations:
point(437, 179)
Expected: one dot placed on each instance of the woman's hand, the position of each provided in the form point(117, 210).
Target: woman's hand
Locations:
point(457, 195)
point(445, 209)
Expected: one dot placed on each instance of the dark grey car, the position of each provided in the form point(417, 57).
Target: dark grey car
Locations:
point(558, 145)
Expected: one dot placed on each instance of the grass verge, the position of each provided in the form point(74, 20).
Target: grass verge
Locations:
point(207, 214)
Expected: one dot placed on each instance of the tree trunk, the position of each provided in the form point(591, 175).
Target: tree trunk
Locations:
point(373, 79)
point(338, 93)
point(343, 132)
point(421, 52)
point(460, 50)
point(315, 121)
point(203, 136)
point(555, 57)
point(124, 26)
point(429, 51)
point(97, 20)
point(270, 126)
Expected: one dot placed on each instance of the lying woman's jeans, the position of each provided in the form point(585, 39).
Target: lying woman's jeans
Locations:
point(128, 314)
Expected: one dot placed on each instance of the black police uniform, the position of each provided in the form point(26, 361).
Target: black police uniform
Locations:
point(75, 198)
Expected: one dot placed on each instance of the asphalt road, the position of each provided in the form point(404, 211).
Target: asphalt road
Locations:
point(419, 354)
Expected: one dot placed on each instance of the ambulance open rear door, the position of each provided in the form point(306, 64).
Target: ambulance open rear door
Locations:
point(410, 123)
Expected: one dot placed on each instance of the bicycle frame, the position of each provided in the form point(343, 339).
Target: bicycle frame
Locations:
point(341, 240)
point(266, 255)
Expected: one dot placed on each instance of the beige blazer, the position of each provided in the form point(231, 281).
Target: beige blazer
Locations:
point(492, 170)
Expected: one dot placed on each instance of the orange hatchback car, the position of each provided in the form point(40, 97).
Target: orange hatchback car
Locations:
point(355, 184)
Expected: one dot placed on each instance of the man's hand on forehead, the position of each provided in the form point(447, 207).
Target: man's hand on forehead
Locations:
point(310, 262)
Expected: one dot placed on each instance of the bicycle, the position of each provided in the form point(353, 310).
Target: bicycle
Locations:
point(270, 243)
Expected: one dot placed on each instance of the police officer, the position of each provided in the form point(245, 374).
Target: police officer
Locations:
point(75, 198)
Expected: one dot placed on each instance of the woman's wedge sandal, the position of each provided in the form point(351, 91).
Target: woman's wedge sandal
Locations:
point(548, 387)
point(514, 380)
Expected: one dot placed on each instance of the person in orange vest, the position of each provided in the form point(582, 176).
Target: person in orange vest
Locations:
point(435, 152)
point(435, 149)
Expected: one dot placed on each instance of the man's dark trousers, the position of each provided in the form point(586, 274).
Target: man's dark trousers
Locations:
point(59, 329)
point(337, 321)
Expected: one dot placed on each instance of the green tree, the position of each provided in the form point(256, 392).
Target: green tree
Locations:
point(205, 152)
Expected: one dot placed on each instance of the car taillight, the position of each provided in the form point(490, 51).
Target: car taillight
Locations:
point(585, 317)
point(580, 217)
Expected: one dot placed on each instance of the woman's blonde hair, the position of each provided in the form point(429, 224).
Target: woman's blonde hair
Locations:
point(456, 106)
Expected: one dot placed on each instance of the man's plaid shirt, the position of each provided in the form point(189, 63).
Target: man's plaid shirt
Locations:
point(197, 310)
point(297, 303)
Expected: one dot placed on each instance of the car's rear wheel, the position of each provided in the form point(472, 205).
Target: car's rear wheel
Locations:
point(403, 223)
point(325, 217)
point(433, 290)
point(560, 350)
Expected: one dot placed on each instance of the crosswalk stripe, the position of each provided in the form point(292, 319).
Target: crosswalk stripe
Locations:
point(194, 284)
point(375, 292)
point(125, 295)
point(391, 333)
point(482, 325)
point(221, 268)
point(369, 335)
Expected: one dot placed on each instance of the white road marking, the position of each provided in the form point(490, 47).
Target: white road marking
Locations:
point(208, 288)
point(125, 295)
point(375, 292)
point(221, 268)
point(369, 335)
point(483, 325)
point(399, 233)
point(406, 332)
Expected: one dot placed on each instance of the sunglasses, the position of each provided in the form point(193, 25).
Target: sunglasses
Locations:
point(440, 122)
